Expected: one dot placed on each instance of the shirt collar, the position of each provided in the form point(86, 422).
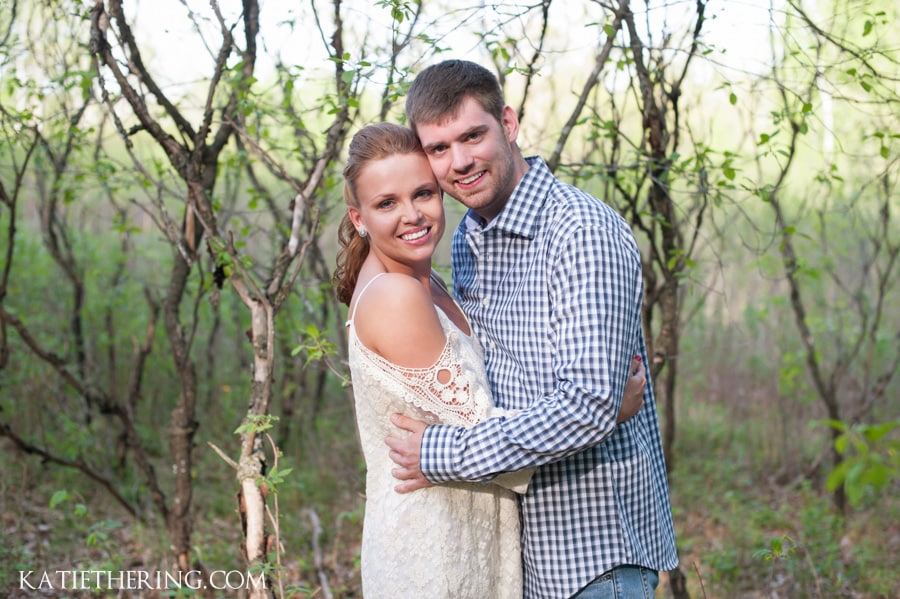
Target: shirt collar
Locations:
point(520, 214)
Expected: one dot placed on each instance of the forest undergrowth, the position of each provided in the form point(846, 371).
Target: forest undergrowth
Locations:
point(744, 531)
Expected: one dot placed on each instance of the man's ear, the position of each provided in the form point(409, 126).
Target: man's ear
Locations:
point(510, 123)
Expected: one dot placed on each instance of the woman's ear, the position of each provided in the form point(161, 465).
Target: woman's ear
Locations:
point(353, 213)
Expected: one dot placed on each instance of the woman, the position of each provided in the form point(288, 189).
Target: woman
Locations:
point(411, 350)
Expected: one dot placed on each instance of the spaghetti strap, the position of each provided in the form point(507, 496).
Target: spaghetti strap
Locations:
point(359, 297)
point(437, 280)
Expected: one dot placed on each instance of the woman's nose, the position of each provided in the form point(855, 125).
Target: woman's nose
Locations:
point(411, 212)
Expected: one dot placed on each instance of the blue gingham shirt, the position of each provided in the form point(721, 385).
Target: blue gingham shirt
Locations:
point(552, 288)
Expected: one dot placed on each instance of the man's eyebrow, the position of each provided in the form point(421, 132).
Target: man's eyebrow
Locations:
point(432, 146)
point(473, 129)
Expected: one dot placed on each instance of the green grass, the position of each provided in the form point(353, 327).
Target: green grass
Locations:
point(742, 533)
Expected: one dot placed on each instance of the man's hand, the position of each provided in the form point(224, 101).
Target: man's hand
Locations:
point(405, 453)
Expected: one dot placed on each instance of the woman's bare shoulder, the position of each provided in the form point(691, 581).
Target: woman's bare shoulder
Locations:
point(395, 318)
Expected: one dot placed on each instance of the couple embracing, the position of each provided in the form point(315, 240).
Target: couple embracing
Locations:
point(509, 430)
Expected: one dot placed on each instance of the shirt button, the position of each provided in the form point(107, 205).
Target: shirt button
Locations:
point(485, 302)
point(493, 345)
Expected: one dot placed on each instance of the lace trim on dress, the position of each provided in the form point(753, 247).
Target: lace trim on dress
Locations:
point(449, 400)
point(443, 389)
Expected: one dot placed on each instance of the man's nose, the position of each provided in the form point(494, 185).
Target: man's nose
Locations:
point(461, 159)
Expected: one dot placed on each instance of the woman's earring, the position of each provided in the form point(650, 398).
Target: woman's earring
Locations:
point(362, 232)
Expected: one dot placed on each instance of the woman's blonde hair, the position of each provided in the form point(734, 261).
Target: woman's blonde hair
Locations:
point(371, 143)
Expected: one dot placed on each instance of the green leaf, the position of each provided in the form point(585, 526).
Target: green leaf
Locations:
point(840, 444)
point(855, 493)
point(257, 423)
point(835, 424)
point(836, 477)
point(876, 432)
point(58, 498)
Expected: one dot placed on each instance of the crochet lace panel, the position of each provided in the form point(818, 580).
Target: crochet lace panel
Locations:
point(443, 390)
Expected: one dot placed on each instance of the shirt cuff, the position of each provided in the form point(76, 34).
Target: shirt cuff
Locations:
point(435, 457)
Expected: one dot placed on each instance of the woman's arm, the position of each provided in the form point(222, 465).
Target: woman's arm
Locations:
point(398, 321)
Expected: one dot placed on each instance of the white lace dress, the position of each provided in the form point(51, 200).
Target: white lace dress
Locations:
point(450, 541)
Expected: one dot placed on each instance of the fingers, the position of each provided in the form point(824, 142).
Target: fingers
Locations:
point(401, 456)
point(639, 376)
point(405, 453)
point(412, 480)
point(406, 423)
point(406, 446)
point(413, 485)
point(637, 367)
point(406, 473)
point(397, 446)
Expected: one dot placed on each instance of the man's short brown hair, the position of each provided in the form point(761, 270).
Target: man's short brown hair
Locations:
point(437, 92)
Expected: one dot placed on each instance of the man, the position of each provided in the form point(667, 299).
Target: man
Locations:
point(550, 279)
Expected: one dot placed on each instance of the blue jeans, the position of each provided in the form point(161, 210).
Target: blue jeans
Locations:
point(624, 582)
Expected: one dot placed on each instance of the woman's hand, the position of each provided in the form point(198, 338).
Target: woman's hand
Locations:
point(633, 397)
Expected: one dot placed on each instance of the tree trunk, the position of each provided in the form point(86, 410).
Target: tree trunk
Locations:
point(252, 463)
point(182, 425)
